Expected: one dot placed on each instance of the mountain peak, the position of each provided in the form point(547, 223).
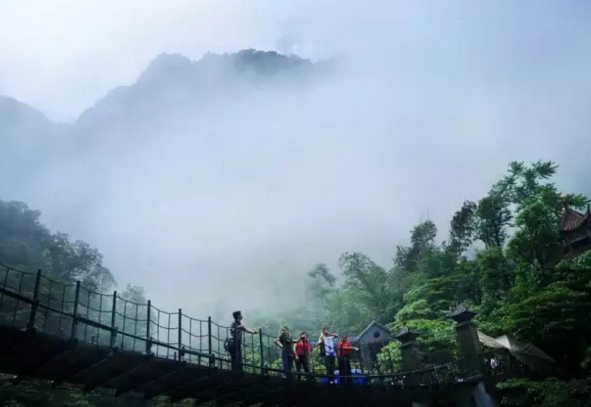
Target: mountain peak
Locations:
point(269, 62)
point(175, 80)
point(264, 63)
point(167, 65)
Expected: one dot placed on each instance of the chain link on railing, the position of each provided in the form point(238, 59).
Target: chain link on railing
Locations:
point(35, 301)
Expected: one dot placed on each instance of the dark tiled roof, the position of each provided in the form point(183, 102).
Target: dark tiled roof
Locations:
point(406, 335)
point(461, 314)
point(372, 324)
point(573, 220)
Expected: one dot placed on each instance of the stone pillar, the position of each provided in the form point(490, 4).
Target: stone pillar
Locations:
point(467, 334)
point(409, 349)
point(411, 356)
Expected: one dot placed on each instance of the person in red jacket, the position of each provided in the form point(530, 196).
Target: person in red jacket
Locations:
point(302, 351)
point(343, 349)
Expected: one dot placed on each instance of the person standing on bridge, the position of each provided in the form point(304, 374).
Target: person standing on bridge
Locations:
point(236, 333)
point(302, 353)
point(285, 342)
point(343, 349)
point(327, 346)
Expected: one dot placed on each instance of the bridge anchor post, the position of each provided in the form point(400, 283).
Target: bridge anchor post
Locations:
point(467, 335)
point(411, 356)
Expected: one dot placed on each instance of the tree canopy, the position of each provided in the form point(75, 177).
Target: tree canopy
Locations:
point(504, 258)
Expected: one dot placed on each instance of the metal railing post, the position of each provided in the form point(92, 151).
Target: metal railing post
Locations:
point(75, 313)
point(209, 345)
point(4, 284)
point(180, 334)
point(148, 329)
point(114, 320)
point(261, 351)
point(35, 305)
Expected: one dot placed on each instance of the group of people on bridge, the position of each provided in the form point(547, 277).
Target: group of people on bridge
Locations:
point(297, 350)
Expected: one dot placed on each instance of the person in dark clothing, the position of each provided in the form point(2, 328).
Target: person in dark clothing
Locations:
point(235, 345)
point(285, 342)
point(302, 353)
point(343, 349)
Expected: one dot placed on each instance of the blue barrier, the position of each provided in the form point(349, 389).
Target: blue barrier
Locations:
point(357, 378)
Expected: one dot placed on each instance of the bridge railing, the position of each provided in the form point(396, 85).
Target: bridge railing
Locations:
point(70, 310)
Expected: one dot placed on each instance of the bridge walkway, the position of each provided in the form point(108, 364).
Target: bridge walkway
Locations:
point(65, 333)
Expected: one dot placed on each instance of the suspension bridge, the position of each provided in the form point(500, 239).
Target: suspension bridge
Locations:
point(59, 333)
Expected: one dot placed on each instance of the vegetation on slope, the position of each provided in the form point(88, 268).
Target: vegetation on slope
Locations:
point(502, 258)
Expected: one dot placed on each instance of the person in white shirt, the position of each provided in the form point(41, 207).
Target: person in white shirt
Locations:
point(327, 343)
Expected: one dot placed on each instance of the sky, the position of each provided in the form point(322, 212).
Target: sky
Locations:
point(431, 102)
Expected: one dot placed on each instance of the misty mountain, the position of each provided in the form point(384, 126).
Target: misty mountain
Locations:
point(170, 85)
point(144, 156)
point(253, 166)
point(28, 139)
point(172, 88)
point(173, 85)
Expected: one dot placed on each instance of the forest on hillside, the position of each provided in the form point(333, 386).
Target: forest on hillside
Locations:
point(502, 257)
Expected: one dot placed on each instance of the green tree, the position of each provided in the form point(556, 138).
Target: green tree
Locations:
point(322, 281)
point(463, 227)
point(422, 241)
point(368, 284)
